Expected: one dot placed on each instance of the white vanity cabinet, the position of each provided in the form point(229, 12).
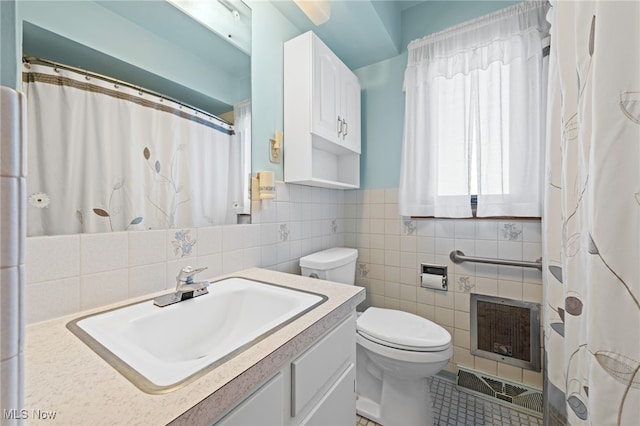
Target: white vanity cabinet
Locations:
point(321, 116)
point(315, 388)
point(261, 407)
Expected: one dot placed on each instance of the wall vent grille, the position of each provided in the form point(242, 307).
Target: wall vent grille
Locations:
point(505, 330)
point(515, 395)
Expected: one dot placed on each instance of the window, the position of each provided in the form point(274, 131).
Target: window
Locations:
point(474, 117)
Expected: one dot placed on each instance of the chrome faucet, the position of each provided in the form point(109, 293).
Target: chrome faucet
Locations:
point(186, 288)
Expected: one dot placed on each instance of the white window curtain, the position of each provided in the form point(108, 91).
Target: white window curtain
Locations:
point(474, 117)
point(104, 157)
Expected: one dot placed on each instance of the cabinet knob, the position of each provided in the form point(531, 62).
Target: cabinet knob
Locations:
point(339, 126)
point(344, 128)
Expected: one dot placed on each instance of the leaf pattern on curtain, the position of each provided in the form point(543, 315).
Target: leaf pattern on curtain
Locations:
point(119, 185)
point(623, 369)
point(630, 105)
point(558, 327)
point(556, 271)
point(573, 306)
point(592, 36)
point(593, 249)
point(101, 213)
point(592, 196)
point(166, 201)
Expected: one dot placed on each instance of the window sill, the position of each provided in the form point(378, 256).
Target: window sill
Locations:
point(474, 207)
point(474, 217)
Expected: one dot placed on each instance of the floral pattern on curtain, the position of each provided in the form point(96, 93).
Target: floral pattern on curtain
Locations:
point(591, 224)
point(105, 157)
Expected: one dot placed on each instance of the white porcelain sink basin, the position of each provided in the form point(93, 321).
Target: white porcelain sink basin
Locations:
point(159, 349)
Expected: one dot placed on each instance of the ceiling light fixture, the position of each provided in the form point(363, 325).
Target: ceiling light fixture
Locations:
point(318, 11)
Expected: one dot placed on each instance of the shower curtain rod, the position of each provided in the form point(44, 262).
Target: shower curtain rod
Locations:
point(39, 61)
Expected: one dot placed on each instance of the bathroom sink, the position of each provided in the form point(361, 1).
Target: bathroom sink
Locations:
point(161, 349)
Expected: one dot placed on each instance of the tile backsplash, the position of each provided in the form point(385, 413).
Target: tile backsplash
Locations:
point(71, 273)
point(391, 249)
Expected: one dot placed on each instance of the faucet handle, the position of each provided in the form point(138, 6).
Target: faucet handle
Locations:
point(186, 274)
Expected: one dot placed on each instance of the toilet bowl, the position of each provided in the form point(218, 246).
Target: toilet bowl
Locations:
point(396, 352)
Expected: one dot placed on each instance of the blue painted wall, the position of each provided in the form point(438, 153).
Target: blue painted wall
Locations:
point(382, 122)
point(8, 55)
point(270, 30)
point(98, 28)
point(382, 96)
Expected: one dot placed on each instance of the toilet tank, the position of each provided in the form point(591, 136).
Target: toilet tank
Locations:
point(335, 264)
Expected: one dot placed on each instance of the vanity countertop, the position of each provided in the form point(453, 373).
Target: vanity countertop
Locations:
point(65, 377)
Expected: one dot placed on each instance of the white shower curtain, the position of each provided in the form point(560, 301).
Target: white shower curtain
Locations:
point(592, 215)
point(104, 157)
point(241, 158)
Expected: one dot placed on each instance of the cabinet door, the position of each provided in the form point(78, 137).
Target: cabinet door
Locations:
point(263, 407)
point(338, 406)
point(313, 371)
point(350, 108)
point(326, 92)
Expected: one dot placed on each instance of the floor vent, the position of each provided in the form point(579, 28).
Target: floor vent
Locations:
point(515, 395)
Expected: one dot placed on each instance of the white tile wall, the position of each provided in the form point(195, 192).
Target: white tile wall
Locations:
point(70, 273)
point(103, 252)
point(42, 266)
point(391, 249)
point(51, 299)
point(149, 247)
point(12, 247)
point(103, 288)
point(10, 218)
point(11, 383)
point(210, 240)
point(146, 279)
point(9, 294)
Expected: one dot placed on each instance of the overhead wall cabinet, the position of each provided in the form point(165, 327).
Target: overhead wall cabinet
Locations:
point(321, 116)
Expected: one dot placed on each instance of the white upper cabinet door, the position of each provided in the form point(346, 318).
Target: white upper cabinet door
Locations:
point(326, 93)
point(350, 109)
point(321, 116)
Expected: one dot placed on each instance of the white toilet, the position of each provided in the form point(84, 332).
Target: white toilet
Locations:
point(397, 352)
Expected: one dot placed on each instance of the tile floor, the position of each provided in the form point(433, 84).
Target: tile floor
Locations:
point(452, 407)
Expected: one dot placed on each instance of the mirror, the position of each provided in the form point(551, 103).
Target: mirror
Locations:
point(159, 46)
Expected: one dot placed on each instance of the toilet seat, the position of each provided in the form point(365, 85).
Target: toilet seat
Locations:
point(402, 330)
point(419, 357)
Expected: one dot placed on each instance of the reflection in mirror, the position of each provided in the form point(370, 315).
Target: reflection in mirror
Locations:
point(106, 155)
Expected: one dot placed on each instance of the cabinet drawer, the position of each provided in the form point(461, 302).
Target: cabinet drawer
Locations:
point(320, 365)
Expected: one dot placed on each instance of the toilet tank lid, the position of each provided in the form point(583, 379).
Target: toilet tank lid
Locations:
point(329, 259)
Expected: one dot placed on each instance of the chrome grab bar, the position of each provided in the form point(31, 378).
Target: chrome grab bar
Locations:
point(457, 256)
